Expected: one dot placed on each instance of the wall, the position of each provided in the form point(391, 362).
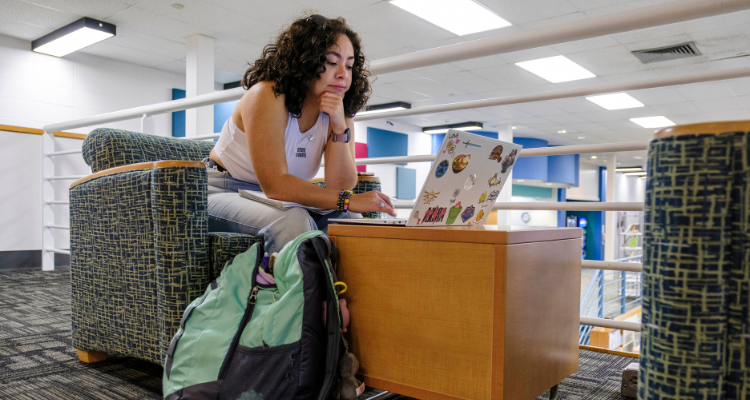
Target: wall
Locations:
point(538, 217)
point(588, 184)
point(629, 188)
point(36, 90)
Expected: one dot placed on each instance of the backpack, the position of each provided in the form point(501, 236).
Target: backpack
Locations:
point(245, 340)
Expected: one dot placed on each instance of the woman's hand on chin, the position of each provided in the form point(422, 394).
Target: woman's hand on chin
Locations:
point(372, 201)
point(333, 105)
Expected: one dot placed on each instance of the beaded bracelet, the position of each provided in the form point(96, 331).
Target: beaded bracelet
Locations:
point(343, 203)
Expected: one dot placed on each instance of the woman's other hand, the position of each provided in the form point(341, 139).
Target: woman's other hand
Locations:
point(372, 201)
point(333, 105)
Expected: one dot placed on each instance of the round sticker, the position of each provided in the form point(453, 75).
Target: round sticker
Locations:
point(441, 169)
point(460, 162)
point(470, 181)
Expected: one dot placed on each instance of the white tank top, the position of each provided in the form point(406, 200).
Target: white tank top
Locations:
point(304, 150)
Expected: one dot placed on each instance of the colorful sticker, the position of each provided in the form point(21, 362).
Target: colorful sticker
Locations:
point(494, 181)
point(470, 181)
point(468, 213)
point(453, 214)
point(497, 153)
point(483, 197)
point(434, 214)
point(480, 215)
point(467, 144)
point(428, 197)
point(441, 169)
point(450, 148)
point(455, 195)
point(493, 196)
point(509, 160)
point(460, 162)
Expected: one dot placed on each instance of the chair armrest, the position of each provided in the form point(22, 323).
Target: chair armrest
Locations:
point(139, 255)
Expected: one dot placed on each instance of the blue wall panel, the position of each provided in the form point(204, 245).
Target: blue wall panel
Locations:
point(178, 117)
point(531, 167)
point(382, 143)
point(406, 183)
point(563, 169)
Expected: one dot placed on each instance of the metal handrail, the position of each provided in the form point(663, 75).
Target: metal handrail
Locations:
point(612, 265)
point(610, 323)
point(64, 177)
point(61, 153)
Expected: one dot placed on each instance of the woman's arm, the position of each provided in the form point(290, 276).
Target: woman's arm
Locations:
point(340, 170)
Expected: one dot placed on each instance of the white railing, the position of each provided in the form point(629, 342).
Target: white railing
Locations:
point(671, 12)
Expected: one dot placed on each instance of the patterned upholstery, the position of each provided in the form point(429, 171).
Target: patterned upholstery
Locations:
point(696, 278)
point(362, 187)
point(224, 246)
point(106, 148)
point(140, 248)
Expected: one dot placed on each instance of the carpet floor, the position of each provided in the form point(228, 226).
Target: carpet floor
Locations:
point(37, 360)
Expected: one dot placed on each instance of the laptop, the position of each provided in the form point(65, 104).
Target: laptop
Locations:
point(463, 184)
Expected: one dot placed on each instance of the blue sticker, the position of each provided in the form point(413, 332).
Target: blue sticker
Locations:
point(441, 169)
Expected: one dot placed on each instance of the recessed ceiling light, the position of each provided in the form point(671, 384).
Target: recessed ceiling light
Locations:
point(581, 137)
point(464, 126)
point(381, 108)
point(556, 69)
point(629, 169)
point(519, 180)
point(593, 157)
point(653, 122)
point(617, 101)
point(73, 37)
point(462, 17)
point(562, 131)
point(513, 127)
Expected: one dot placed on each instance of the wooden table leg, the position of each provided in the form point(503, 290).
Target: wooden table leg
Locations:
point(91, 356)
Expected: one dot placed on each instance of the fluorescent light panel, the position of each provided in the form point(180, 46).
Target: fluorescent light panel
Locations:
point(556, 69)
point(653, 122)
point(617, 101)
point(381, 108)
point(629, 169)
point(73, 37)
point(462, 17)
point(464, 126)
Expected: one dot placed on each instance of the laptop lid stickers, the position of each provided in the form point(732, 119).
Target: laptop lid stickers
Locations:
point(464, 182)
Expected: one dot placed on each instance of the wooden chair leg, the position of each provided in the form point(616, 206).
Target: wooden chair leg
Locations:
point(91, 356)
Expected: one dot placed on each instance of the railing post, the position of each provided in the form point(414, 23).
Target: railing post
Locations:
point(600, 311)
point(48, 193)
point(624, 296)
point(610, 223)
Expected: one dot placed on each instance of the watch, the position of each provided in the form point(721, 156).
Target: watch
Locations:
point(344, 137)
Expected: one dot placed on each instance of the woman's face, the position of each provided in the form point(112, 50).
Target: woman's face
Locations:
point(337, 77)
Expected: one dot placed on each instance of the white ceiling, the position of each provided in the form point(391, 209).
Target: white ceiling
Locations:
point(152, 33)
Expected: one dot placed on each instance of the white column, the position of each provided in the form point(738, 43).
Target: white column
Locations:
point(199, 80)
point(610, 223)
point(505, 133)
point(48, 194)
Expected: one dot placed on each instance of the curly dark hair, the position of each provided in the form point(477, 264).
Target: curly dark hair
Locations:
point(298, 56)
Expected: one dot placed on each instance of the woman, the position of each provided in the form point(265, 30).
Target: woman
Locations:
point(301, 96)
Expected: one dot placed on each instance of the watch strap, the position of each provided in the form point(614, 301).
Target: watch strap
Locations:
point(343, 137)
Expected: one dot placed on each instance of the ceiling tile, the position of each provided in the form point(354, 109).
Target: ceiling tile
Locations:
point(99, 9)
point(519, 13)
point(157, 25)
point(702, 91)
point(745, 101)
point(739, 87)
point(718, 104)
point(658, 95)
point(21, 30)
point(429, 87)
point(33, 14)
point(468, 82)
point(684, 107)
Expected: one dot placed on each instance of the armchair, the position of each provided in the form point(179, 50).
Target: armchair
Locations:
point(139, 243)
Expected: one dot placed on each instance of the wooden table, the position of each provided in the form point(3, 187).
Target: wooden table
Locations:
point(462, 313)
